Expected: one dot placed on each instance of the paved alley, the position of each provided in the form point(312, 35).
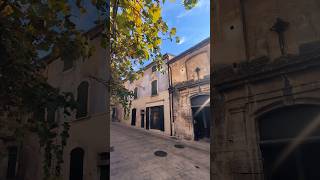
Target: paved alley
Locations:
point(133, 157)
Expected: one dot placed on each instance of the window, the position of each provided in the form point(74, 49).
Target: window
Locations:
point(82, 100)
point(135, 93)
point(154, 68)
point(67, 64)
point(12, 161)
point(154, 88)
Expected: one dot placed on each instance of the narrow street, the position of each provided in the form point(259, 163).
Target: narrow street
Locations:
point(133, 158)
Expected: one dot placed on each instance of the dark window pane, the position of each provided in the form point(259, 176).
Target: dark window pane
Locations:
point(82, 99)
point(154, 88)
point(274, 125)
point(12, 160)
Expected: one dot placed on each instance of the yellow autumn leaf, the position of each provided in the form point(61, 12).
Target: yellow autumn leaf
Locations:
point(7, 10)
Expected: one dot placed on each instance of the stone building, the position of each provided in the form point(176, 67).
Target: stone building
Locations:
point(150, 106)
point(266, 89)
point(86, 153)
point(190, 92)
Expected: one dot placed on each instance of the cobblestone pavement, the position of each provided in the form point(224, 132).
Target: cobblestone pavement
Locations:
point(133, 157)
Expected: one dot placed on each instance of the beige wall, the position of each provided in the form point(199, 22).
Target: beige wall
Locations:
point(145, 99)
point(90, 132)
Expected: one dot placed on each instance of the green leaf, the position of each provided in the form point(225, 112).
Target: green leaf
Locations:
point(173, 31)
point(177, 39)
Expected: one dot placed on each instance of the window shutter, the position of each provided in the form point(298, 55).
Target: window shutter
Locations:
point(135, 93)
point(82, 100)
point(154, 87)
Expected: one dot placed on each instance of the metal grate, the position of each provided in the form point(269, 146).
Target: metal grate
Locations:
point(180, 146)
point(160, 153)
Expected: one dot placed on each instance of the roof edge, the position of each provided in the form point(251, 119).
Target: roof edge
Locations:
point(191, 49)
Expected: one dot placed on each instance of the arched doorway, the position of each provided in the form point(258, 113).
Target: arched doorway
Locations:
point(290, 143)
point(76, 164)
point(200, 106)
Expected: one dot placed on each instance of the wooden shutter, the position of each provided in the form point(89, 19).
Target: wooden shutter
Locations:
point(135, 93)
point(82, 100)
point(154, 87)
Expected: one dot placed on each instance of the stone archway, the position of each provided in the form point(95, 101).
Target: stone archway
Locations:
point(200, 106)
point(290, 142)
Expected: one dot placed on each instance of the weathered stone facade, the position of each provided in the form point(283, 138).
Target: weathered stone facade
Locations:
point(257, 72)
point(185, 83)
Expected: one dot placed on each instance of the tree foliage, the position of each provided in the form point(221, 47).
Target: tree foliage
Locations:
point(136, 30)
point(27, 28)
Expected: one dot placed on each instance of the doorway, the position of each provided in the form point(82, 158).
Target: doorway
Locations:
point(200, 106)
point(76, 164)
point(142, 118)
point(157, 118)
point(133, 117)
point(279, 130)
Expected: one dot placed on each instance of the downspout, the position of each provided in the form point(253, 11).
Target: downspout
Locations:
point(244, 29)
point(170, 98)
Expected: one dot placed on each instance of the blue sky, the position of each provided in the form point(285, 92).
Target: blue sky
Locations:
point(192, 25)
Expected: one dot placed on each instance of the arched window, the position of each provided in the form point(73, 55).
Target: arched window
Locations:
point(76, 164)
point(290, 142)
point(82, 100)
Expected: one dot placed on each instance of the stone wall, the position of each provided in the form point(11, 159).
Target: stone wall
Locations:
point(242, 29)
point(187, 83)
point(235, 151)
point(182, 112)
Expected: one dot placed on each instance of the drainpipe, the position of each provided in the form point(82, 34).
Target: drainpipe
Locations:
point(244, 29)
point(170, 97)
